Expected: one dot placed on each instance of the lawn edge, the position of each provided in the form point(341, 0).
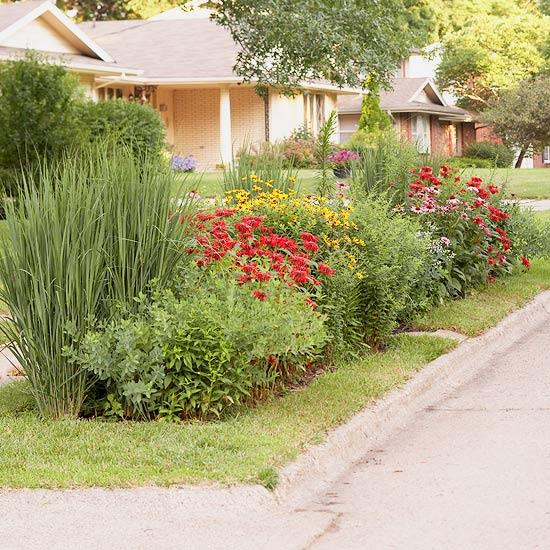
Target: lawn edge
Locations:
point(320, 465)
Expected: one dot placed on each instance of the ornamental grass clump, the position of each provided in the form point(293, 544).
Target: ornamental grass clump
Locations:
point(81, 246)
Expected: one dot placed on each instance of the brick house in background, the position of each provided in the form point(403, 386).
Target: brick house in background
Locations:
point(419, 113)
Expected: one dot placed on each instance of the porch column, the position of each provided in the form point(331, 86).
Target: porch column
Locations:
point(226, 143)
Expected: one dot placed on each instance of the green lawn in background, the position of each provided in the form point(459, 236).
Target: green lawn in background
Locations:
point(526, 183)
point(247, 448)
point(484, 308)
point(522, 184)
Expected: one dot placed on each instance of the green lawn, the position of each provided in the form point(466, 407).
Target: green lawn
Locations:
point(247, 448)
point(544, 215)
point(521, 184)
point(484, 308)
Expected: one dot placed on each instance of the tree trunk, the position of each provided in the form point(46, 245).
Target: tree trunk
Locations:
point(521, 156)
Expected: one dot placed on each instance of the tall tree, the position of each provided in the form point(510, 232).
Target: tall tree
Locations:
point(284, 42)
point(492, 54)
point(96, 10)
point(521, 116)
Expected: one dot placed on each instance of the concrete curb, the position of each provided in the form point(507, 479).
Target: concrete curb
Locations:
point(319, 466)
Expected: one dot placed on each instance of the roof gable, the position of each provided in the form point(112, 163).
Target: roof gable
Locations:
point(42, 26)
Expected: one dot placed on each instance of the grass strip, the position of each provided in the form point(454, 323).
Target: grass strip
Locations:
point(246, 448)
point(485, 307)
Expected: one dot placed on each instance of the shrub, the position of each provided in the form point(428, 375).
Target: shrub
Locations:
point(300, 152)
point(470, 162)
point(128, 124)
point(39, 106)
point(499, 154)
point(467, 217)
point(204, 353)
point(88, 240)
point(529, 234)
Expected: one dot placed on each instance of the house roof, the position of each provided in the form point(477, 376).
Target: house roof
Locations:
point(14, 17)
point(184, 50)
point(80, 63)
point(166, 49)
point(404, 97)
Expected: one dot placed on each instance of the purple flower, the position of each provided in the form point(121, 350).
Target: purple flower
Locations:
point(183, 164)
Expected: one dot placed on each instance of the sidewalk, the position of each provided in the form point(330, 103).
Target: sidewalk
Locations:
point(470, 469)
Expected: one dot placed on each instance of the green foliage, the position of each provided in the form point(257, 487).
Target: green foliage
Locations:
point(92, 10)
point(470, 162)
point(324, 147)
point(498, 154)
point(385, 166)
point(491, 54)
point(83, 243)
point(373, 121)
point(268, 165)
point(393, 258)
point(129, 124)
point(39, 102)
point(521, 116)
point(285, 43)
point(530, 234)
point(202, 354)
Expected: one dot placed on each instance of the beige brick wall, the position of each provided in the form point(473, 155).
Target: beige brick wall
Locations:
point(247, 117)
point(197, 125)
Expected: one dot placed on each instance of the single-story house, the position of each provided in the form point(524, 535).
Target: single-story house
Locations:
point(419, 113)
point(182, 65)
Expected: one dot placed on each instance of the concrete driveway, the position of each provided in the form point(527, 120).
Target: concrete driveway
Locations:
point(468, 470)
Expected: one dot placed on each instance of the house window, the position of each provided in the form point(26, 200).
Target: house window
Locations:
point(546, 155)
point(420, 125)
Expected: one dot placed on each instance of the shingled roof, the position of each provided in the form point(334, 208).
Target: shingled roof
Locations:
point(403, 98)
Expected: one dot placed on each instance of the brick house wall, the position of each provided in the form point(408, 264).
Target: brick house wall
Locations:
point(441, 137)
point(485, 133)
point(247, 117)
point(468, 135)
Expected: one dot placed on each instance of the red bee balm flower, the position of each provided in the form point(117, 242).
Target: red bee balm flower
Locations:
point(326, 270)
point(260, 295)
point(525, 261)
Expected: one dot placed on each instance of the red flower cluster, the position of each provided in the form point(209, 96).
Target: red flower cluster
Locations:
point(257, 254)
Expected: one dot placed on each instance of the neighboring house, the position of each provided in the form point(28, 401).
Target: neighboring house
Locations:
point(419, 113)
point(41, 26)
point(542, 160)
point(181, 64)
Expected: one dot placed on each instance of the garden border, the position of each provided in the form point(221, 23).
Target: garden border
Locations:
point(320, 465)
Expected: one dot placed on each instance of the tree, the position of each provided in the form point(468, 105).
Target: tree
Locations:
point(96, 10)
point(284, 42)
point(492, 54)
point(143, 9)
point(521, 116)
point(373, 119)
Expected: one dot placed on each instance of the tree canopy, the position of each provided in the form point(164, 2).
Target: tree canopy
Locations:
point(284, 42)
point(492, 54)
point(518, 117)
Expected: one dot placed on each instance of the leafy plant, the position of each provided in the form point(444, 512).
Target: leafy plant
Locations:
point(324, 148)
point(268, 165)
point(81, 246)
point(129, 124)
point(498, 154)
point(39, 106)
point(204, 353)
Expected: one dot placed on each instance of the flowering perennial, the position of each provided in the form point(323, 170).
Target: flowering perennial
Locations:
point(256, 253)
